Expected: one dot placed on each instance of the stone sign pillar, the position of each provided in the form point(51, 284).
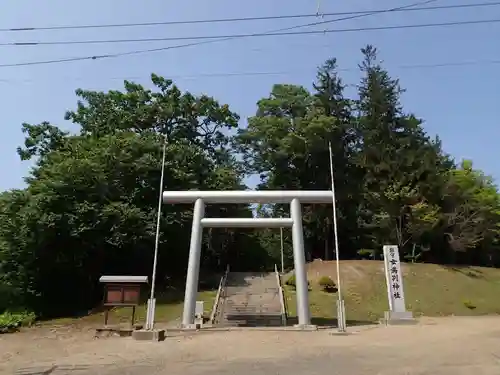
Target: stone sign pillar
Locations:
point(395, 291)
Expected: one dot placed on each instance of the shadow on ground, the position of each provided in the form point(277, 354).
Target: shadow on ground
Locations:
point(467, 271)
point(323, 322)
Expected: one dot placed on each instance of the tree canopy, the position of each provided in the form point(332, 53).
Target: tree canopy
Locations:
point(90, 202)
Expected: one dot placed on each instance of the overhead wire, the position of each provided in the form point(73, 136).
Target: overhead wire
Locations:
point(275, 73)
point(253, 35)
point(247, 19)
point(203, 42)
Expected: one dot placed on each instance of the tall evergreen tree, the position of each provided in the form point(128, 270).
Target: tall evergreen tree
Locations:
point(330, 101)
point(398, 159)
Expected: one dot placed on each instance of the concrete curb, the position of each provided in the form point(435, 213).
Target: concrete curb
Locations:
point(149, 335)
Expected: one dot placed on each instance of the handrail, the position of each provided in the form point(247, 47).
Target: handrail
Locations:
point(285, 305)
point(222, 284)
point(282, 296)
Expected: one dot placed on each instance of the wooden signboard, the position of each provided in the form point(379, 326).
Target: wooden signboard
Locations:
point(122, 291)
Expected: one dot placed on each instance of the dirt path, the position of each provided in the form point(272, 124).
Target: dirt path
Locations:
point(444, 346)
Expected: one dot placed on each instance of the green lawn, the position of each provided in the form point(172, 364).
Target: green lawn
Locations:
point(168, 308)
point(430, 290)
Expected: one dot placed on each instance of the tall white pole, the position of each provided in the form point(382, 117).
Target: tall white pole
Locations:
point(282, 256)
point(303, 311)
point(339, 289)
point(152, 302)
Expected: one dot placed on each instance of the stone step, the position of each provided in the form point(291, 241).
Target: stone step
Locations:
point(273, 323)
point(246, 292)
point(250, 299)
point(242, 315)
point(250, 304)
point(253, 308)
point(262, 322)
point(253, 299)
point(253, 294)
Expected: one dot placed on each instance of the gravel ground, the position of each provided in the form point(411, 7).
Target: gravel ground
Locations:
point(438, 346)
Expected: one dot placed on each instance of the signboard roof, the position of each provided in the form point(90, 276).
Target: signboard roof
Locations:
point(123, 279)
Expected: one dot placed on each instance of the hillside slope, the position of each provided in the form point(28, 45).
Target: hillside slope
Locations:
point(431, 290)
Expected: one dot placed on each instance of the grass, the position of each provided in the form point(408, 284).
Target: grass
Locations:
point(321, 304)
point(12, 321)
point(168, 308)
point(430, 290)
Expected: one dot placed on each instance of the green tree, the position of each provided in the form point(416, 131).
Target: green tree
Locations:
point(401, 165)
point(471, 209)
point(286, 143)
point(91, 202)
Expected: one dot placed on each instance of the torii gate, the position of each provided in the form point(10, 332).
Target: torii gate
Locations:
point(292, 197)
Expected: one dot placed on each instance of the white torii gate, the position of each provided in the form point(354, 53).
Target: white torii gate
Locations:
point(200, 198)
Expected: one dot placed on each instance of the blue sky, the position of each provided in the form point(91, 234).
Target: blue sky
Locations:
point(460, 104)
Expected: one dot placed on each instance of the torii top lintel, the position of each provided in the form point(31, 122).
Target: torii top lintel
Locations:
point(248, 196)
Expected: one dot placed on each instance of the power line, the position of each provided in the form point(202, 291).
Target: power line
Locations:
point(214, 39)
point(246, 19)
point(277, 73)
point(252, 35)
point(161, 49)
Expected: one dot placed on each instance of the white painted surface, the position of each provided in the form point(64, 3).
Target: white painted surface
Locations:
point(394, 279)
point(227, 222)
point(199, 309)
point(248, 196)
point(150, 314)
point(123, 279)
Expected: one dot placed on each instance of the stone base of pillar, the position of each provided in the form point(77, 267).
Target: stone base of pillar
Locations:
point(305, 327)
point(149, 335)
point(394, 318)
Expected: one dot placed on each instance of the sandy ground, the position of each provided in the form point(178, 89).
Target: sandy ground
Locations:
point(438, 346)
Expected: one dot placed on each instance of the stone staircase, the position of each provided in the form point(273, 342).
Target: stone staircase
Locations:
point(250, 300)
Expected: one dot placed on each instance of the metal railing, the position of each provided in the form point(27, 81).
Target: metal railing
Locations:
point(282, 296)
point(222, 285)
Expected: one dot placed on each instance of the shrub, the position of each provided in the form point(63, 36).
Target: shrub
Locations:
point(327, 284)
point(292, 283)
point(366, 253)
point(469, 305)
point(10, 322)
